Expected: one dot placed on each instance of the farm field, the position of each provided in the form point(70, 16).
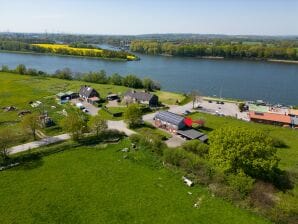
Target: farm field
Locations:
point(66, 49)
point(96, 184)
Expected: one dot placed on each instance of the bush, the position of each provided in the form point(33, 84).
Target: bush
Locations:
point(197, 147)
point(149, 141)
point(240, 182)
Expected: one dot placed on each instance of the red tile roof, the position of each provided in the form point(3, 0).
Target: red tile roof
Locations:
point(270, 117)
point(293, 112)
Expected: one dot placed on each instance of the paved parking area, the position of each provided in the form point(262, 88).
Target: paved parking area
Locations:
point(92, 110)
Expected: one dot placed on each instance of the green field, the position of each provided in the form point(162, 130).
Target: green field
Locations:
point(97, 185)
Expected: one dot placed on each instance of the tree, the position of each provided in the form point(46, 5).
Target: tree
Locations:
point(195, 97)
point(240, 149)
point(21, 69)
point(132, 81)
point(6, 139)
point(74, 123)
point(4, 68)
point(30, 123)
point(97, 124)
point(148, 84)
point(133, 115)
point(116, 79)
point(63, 74)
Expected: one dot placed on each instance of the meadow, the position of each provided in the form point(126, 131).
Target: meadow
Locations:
point(99, 184)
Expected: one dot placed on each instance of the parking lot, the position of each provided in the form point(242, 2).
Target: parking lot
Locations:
point(92, 110)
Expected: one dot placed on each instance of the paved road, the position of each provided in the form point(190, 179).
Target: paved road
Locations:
point(39, 143)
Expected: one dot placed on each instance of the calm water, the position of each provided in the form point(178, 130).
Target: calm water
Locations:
point(274, 82)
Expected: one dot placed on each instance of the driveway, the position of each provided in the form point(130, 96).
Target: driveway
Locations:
point(120, 126)
point(92, 110)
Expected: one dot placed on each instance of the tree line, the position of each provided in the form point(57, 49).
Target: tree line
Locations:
point(217, 49)
point(99, 77)
point(15, 45)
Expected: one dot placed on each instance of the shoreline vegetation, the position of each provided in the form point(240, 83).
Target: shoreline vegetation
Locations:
point(61, 55)
point(73, 49)
point(276, 52)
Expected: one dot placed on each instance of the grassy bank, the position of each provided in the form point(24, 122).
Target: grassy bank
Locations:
point(98, 185)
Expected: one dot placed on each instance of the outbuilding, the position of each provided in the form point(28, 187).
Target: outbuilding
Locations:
point(169, 121)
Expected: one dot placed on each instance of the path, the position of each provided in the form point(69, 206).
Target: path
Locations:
point(120, 126)
point(39, 143)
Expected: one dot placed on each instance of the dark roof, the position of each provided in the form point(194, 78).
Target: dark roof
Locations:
point(143, 96)
point(86, 91)
point(191, 134)
point(169, 117)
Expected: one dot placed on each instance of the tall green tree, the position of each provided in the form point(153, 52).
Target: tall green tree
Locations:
point(75, 124)
point(133, 115)
point(97, 124)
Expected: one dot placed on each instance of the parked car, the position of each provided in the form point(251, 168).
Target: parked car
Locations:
point(186, 112)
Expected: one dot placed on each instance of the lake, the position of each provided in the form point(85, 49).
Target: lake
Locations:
point(251, 80)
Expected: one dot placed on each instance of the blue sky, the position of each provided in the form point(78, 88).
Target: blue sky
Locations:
point(262, 17)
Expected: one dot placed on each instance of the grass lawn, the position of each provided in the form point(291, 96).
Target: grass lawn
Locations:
point(97, 185)
point(288, 155)
point(105, 115)
point(169, 97)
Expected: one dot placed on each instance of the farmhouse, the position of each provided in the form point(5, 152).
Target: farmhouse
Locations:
point(89, 94)
point(270, 118)
point(146, 98)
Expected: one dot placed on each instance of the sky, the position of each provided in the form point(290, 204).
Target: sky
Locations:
point(243, 17)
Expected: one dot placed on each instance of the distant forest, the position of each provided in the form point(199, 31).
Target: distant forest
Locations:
point(286, 50)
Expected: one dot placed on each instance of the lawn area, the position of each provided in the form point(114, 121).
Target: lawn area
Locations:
point(288, 155)
point(169, 97)
point(105, 115)
point(98, 185)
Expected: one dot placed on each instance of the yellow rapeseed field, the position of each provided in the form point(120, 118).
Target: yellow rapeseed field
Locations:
point(58, 48)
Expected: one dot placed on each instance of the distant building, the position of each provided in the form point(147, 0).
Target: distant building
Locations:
point(87, 92)
point(270, 118)
point(146, 98)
